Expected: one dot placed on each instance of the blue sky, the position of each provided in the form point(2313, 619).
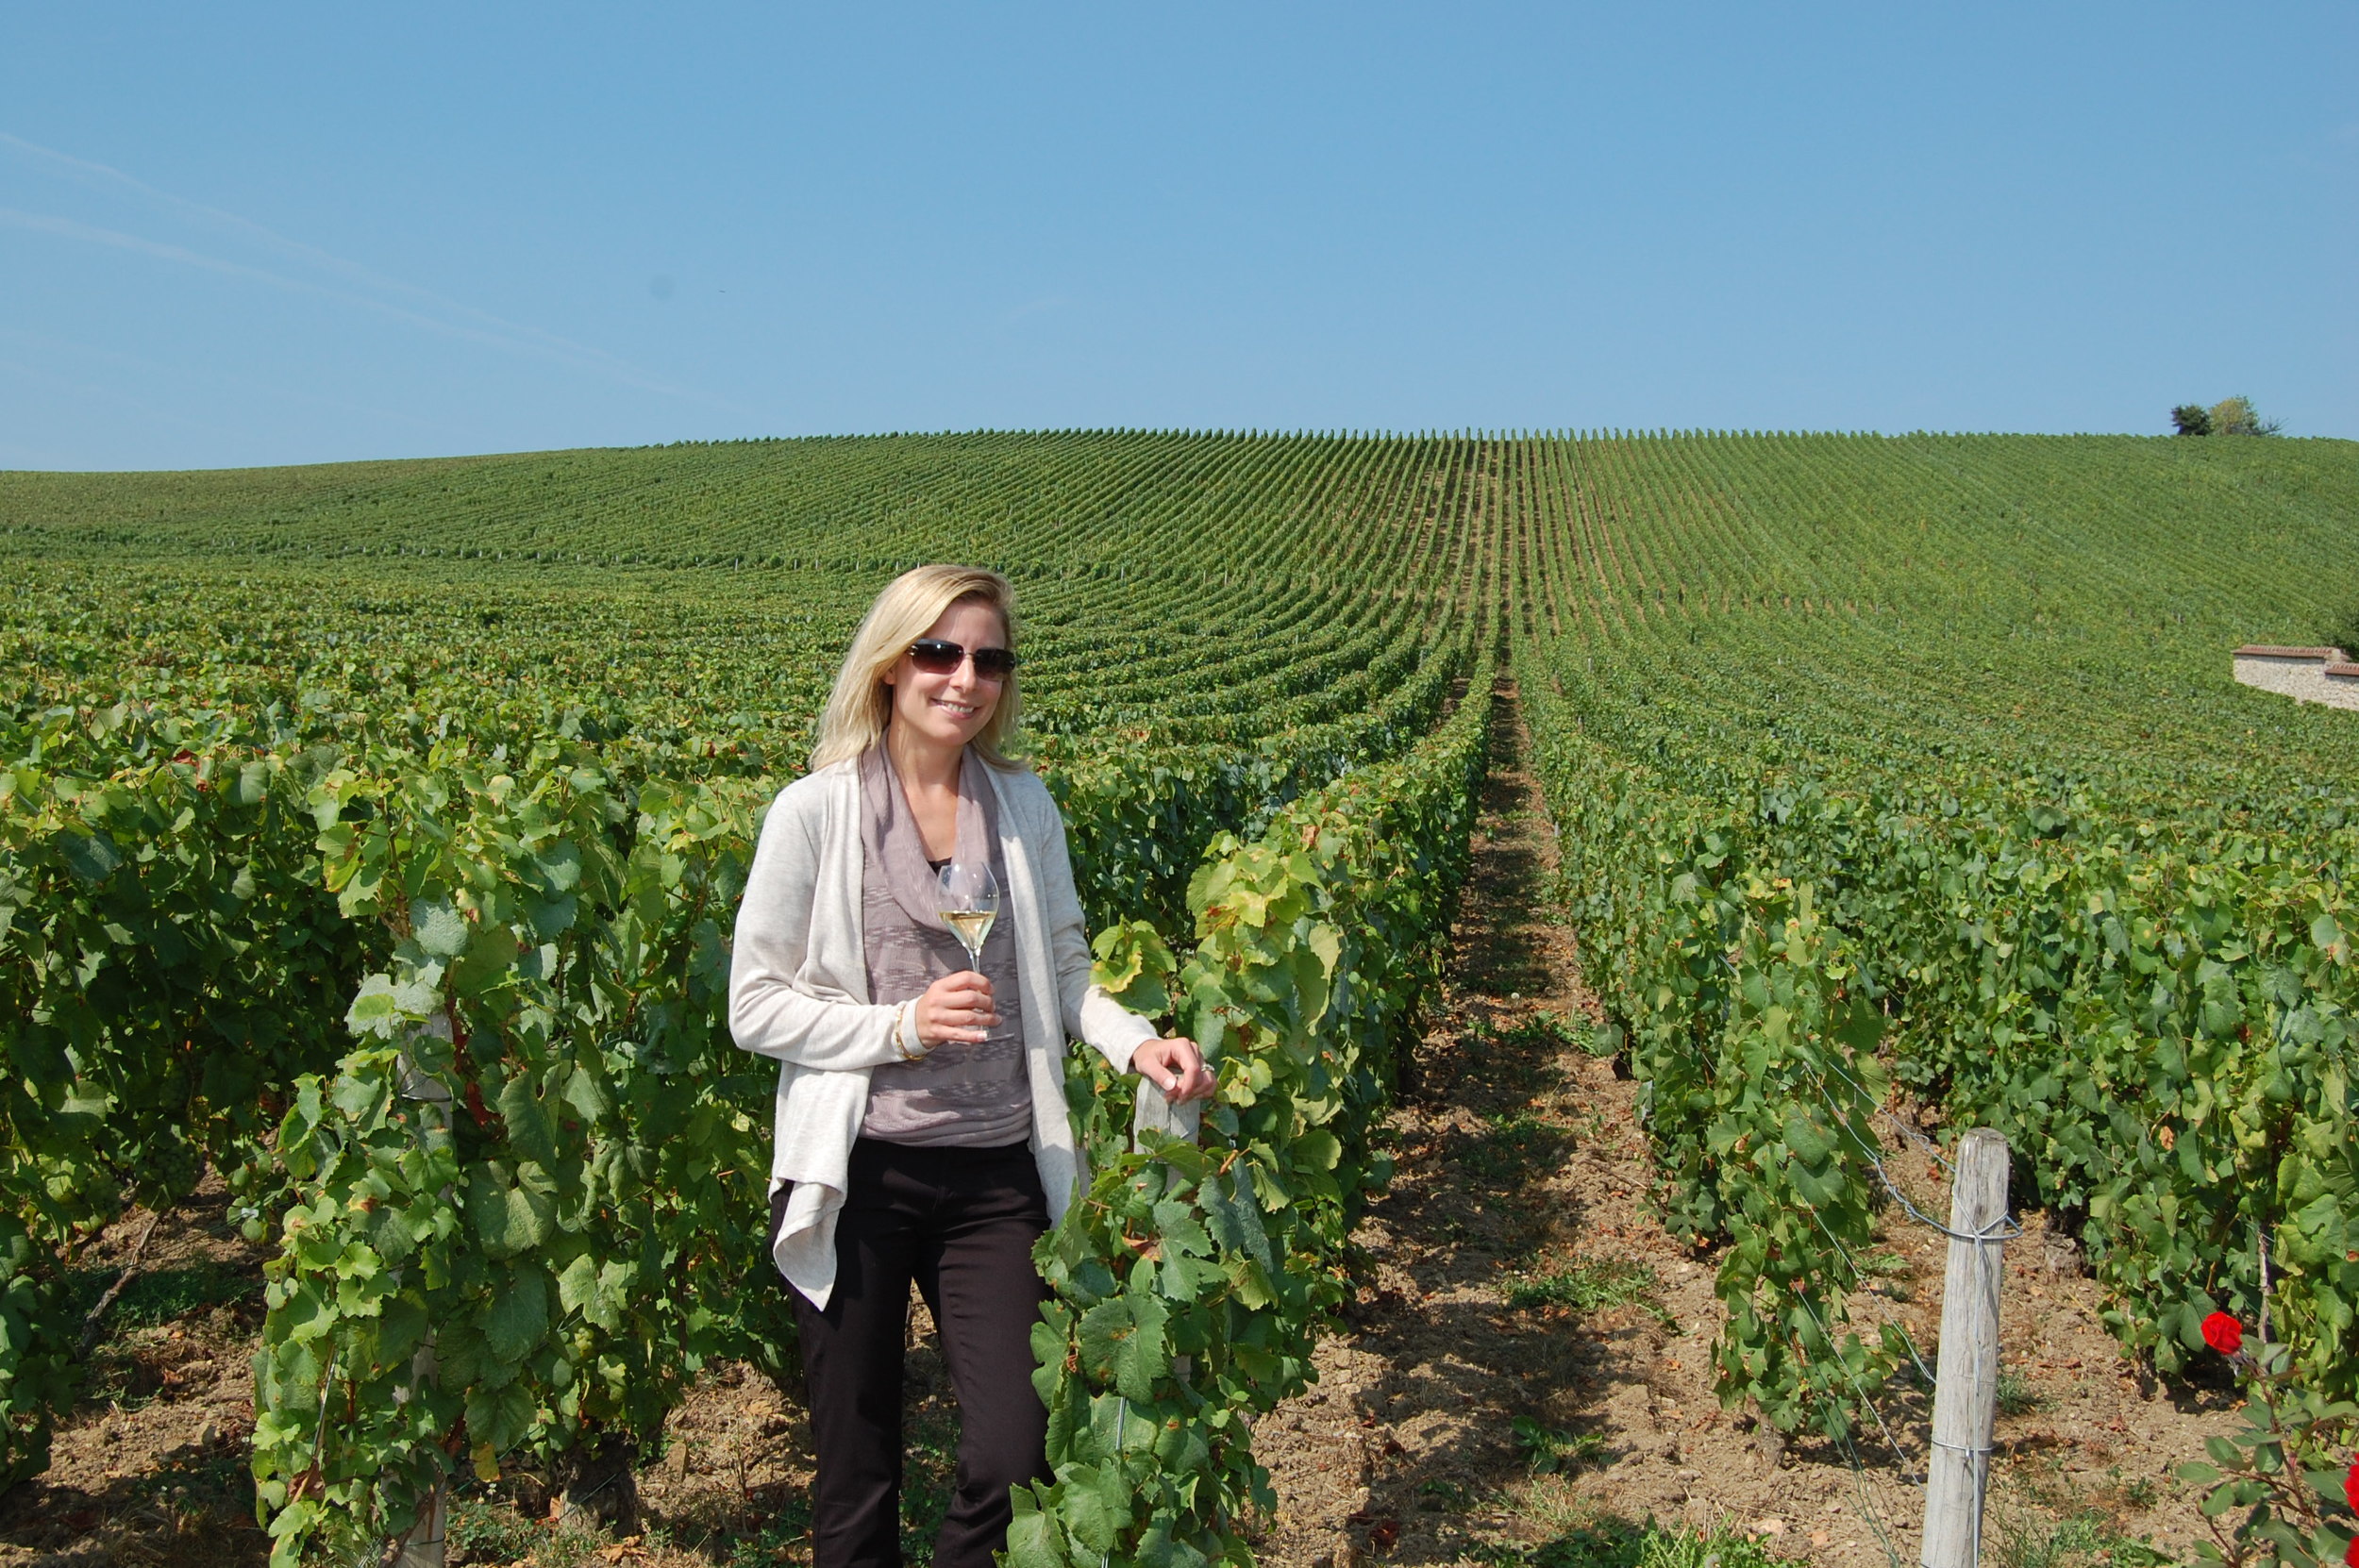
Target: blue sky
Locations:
point(259, 234)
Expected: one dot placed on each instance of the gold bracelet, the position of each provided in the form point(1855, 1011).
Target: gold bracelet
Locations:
point(900, 1014)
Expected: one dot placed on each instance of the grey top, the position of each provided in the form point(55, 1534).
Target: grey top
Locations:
point(974, 1094)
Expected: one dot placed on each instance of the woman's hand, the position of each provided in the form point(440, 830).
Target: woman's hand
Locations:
point(956, 1008)
point(1174, 1066)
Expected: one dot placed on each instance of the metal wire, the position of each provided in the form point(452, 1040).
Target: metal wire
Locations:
point(1869, 1509)
point(1857, 1273)
point(1876, 1164)
point(2000, 1230)
point(1890, 1442)
point(1924, 1145)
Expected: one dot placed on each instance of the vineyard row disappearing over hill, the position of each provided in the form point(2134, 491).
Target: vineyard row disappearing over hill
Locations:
point(1818, 842)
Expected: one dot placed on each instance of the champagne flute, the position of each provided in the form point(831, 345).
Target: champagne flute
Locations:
point(969, 903)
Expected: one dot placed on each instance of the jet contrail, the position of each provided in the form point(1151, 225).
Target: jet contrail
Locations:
point(101, 177)
point(493, 330)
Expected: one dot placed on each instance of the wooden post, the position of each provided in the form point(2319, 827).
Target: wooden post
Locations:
point(1965, 1386)
point(424, 1545)
point(1157, 1115)
point(1184, 1122)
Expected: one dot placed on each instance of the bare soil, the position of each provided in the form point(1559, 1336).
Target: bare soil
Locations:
point(152, 1465)
point(1520, 1162)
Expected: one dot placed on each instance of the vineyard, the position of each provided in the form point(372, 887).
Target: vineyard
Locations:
point(373, 832)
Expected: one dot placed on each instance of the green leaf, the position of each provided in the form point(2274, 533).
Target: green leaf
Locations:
point(1122, 1342)
point(1135, 967)
point(598, 1291)
point(529, 1125)
point(1803, 1136)
point(438, 928)
point(1145, 1353)
point(505, 1220)
point(518, 1315)
point(588, 1097)
point(1032, 1536)
point(491, 955)
point(308, 1312)
point(1235, 1215)
point(91, 857)
point(1176, 1225)
point(1096, 1505)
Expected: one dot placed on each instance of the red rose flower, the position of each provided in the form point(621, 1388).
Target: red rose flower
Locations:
point(2351, 1487)
point(2223, 1333)
point(2350, 1553)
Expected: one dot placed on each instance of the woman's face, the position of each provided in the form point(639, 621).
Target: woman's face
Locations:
point(949, 709)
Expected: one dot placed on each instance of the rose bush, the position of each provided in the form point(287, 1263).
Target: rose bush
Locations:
point(2272, 1497)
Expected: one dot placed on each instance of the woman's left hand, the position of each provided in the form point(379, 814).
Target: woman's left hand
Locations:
point(1174, 1066)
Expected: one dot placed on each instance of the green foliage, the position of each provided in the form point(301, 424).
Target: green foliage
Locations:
point(541, 1148)
point(1592, 1285)
point(1190, 1282)
point(1550, 1452)
point(1755, 1030)
point(38, 1331)
point(167, 964)
point(1618, 1543)
point(283, 779)
point(2281, 1490)
point(490, 1531)
point(2016, 1395)
point(1722, 1546)
point(2161, 1029)
point(538, 1163)
point(2235, 416)
point(2018, 1538)
point(2191, 419)
point(1910, 758)
point(2091, 891)
point(157, 1296)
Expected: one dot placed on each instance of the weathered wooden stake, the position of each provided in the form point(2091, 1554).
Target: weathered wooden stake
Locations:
point(1157, 1114)
point(425, 1546)
point(1184, 1122)
point(1965, 1385)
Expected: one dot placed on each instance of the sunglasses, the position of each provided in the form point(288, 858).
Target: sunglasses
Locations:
point(938, 658)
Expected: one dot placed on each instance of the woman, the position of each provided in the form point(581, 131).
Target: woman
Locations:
point(921, 1131)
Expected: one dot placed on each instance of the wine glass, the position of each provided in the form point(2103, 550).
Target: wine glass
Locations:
point(969, 903)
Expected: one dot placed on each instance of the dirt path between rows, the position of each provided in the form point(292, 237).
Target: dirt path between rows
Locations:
point(1478, 1406)
point(1475, 1411)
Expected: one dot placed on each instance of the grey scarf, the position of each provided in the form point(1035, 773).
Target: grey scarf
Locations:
point(889, 831)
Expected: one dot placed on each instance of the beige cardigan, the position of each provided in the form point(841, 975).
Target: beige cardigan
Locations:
point(798, 992)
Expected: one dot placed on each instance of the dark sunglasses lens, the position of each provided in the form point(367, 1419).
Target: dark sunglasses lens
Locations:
point(994, 664)
point(934, 658)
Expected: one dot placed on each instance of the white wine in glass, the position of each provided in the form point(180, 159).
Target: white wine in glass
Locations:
point(970, 902)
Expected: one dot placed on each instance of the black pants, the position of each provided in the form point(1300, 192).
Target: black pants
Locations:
point(961, 1222)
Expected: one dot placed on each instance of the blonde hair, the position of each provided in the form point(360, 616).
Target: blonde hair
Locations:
point(858, 709)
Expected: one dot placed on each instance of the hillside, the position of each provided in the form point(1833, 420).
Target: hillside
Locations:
point(1897, 785)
